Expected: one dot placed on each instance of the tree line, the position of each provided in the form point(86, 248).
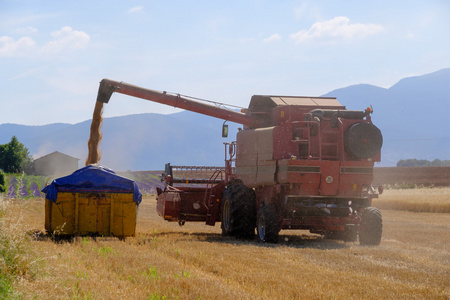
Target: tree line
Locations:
point(15, 157)
point(422, 163)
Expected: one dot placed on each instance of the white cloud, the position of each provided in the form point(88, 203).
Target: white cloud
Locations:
point(27, 73)
point(135, 9)
point(272, 38)
point(66, 39)
point(246, 40)
point(409, 35)
point(11, 47)
point(336, 28)
point(301, 10)
point(26, 30)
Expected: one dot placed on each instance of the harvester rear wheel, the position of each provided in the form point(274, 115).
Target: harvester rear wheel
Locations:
point(238, 211)
point(267, 226)
point(371, 227)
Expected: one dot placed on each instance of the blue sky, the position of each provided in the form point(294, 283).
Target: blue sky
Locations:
point(54, 53)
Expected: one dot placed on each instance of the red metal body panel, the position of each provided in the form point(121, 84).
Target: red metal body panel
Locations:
point(304, 172)
point(185, 204)
point(329, 181)
point(196, 200)
point(168, 205)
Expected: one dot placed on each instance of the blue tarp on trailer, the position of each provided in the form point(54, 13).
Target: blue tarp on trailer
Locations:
point(93, 178)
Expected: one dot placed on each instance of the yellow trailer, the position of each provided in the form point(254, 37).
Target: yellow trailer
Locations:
point(91, 213)
point(92, 202)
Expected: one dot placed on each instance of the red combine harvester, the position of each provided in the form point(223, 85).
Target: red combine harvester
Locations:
point(299, 163)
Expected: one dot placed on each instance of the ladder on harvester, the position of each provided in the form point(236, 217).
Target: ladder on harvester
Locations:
point(213, 196)
point(329, 145)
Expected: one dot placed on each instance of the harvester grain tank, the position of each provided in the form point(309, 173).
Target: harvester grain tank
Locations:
point(299, 163)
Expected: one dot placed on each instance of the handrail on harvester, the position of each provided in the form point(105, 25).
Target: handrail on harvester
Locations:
point(309, 137)
point(107, 87)
point(208, 190)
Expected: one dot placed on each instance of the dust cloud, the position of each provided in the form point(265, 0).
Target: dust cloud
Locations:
point(96, 136)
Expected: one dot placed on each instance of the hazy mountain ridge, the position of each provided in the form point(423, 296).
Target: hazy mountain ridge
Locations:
point(411, 114)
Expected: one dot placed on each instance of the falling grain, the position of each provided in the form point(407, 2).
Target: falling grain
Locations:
point(96, 136)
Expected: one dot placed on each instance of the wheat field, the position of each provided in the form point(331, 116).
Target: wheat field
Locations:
point(166, 261)
point(416, 200)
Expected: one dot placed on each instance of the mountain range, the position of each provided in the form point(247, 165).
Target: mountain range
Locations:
point(411, 115)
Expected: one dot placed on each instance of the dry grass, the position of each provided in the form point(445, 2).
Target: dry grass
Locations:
point(435, 200)
point(165, 261)
point(16, 262)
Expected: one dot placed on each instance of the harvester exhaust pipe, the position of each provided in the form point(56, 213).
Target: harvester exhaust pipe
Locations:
point(108, 87)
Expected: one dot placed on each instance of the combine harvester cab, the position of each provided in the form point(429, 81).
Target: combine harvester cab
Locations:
point(298, 163)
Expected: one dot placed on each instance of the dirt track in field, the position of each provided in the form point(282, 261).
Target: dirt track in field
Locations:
point(196, 262)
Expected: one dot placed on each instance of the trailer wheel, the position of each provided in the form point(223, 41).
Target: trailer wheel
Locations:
point(371, 227)
point(238, 211)
point(267, 226)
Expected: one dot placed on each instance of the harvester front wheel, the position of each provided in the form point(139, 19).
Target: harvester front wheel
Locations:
point(238, 211)
point(371, 227)
point(267, 226)
point(226, 216)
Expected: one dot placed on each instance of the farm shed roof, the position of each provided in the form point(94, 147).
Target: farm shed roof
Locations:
point(93, 178)
point(57, 153)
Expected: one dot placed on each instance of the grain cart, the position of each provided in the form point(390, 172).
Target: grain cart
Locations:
point(298, 163)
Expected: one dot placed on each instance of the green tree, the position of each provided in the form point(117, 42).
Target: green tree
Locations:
point(14, 157)
point(412, 162)
point(2, 182)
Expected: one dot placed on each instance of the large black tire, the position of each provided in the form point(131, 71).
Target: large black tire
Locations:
point(363, 140)
point(238, 211)
point(267, 226)
point(226, 215)
point(371, 227)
